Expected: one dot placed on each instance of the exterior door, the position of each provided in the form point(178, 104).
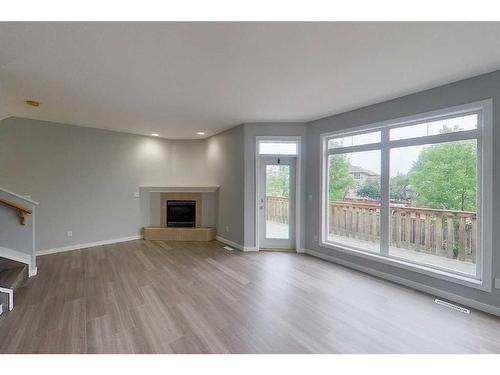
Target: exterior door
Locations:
point(277, 202)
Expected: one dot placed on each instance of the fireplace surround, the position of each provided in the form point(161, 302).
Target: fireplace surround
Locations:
point(155, 207)
point(174, 196)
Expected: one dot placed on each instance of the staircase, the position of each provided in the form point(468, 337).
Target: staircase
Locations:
point(12, 276)
point(17, 244)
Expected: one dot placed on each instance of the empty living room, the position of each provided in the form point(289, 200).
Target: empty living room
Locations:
point(231, 183)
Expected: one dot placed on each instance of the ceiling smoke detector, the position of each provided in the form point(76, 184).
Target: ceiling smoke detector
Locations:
point(32, 103)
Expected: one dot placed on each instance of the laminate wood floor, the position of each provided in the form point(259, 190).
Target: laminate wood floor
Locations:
point(179, 297)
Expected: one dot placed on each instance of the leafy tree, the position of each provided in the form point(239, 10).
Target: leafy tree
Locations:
point(278, 181)
point(340, 178)
point(447, 129)
point(444, 176)
point(369, 189)
point(400, 188)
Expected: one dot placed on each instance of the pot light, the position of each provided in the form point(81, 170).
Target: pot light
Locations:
point(155, 134)
point(200, 133)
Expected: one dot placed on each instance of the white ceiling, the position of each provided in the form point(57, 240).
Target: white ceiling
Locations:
point(179, 78)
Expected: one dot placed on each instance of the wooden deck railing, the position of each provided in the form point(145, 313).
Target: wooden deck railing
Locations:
point(446, 233)
point(277, 209)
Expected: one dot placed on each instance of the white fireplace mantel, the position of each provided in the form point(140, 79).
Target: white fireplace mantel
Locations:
point(178, 189)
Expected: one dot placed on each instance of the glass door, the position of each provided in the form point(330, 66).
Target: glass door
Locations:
point(277, 203)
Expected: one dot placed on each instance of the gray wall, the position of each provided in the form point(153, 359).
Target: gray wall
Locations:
point(224, 155)
point(253, 130)
point(154, 209)
point(470, 90)
point(209, 208)
point(85, 178)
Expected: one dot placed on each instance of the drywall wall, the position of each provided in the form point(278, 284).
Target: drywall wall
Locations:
point(209, 208)
point(4, 112)
point(154, 210)
point(252, 131)
point(85, 178)
point(466, 91)
point(224, 157)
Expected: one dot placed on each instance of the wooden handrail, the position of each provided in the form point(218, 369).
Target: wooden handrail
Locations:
point(399, 207)
point(23, 212)
point(18, 196)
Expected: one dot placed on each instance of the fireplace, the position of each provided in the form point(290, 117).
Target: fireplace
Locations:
point(181, 213)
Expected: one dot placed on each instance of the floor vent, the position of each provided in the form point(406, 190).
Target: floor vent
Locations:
point(452, 306)
point(228, 248)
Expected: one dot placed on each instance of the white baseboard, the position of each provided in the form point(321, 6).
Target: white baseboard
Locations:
point(236, 245)
point(32, 271)
point(86, 245)
point(230, 243)
point(412, 284)
point(15, 255)
point(250, 248)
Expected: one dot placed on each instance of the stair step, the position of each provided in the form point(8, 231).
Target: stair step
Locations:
point(8, 263)
point(13, 278)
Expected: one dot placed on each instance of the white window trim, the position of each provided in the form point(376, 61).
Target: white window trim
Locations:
point(484, 134)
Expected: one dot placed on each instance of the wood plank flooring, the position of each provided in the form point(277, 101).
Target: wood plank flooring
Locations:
point(180, 297)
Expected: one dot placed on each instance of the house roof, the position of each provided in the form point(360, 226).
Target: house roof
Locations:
point(356, 169)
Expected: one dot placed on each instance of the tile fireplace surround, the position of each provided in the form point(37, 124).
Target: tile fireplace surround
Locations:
point(153, 202)
point(172, 196)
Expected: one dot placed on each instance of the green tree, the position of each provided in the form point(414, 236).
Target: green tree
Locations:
point(444, 176)
point(277, 181)
point(340, 178)
point(369, 189)
point(400, 188)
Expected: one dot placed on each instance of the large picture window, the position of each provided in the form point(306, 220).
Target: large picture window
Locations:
point(409, 191)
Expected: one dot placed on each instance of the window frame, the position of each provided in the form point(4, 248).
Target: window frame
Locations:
point(483, 136)
point(282, 140)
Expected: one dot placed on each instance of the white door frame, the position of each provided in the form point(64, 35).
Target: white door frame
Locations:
point(266, 241)
point(298, 184)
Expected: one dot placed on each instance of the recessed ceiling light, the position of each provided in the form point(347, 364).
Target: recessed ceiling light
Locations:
point(32, 103)
point(200, 133)
point(155, 134)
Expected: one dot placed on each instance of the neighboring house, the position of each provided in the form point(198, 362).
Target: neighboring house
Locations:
point(360, 175)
